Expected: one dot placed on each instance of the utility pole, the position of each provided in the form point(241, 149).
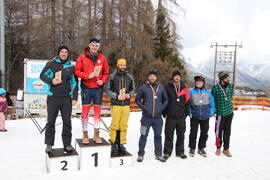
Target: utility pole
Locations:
point(225, 60)
point(2, 45)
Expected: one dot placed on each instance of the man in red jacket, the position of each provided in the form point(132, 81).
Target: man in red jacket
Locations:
point(92, 67)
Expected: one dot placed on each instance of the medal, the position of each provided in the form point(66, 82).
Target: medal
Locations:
point(177, 91)
point(98, 61)
point(154, 92)
point(225, 93)
point(200, 101)
point(177, 99)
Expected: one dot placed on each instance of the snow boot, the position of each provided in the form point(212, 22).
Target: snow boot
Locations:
point(160, 158)
point(218, 152)
point(192, 152)
point(166, 156)
point(182, 156)
point(97, 139)
point(227, 153)
point(122, 150)
point(48, 149)
point(85, 139)
point(114, 149)
point(69, 149)
point(140, 159)
point(202, 152)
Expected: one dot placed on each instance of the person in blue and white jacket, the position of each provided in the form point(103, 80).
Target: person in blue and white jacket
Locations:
point(201, 109)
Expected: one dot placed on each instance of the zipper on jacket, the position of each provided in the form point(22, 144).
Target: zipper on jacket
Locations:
point(154, 105)
point(122, 84)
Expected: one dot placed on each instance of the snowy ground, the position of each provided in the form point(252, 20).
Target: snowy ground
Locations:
point(22, 153)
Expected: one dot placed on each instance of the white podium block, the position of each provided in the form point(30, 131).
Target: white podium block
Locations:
point(121, 160)
point(93, 155)
point(59, 160)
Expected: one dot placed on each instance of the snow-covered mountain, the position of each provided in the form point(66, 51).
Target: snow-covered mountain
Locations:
point(248, 75)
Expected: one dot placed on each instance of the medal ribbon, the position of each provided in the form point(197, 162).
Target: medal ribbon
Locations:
point(154, 92)
point(225, 93)
point(177, 90)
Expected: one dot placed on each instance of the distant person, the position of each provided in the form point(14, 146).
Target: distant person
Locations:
point(93, 69)
point(175, 114)
point(62, 94)
point(152, 98)
point(222, 93)
point(3, 108)
point(202, 108)
point(120, 88)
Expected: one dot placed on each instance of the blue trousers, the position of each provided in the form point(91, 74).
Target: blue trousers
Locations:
point(156, 124)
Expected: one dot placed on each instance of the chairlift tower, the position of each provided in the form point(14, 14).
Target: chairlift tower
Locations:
point(225, 60)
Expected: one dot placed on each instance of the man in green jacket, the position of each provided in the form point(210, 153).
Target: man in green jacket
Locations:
point(222, 93)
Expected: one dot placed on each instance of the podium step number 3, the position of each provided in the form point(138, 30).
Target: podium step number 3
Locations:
point(61, 161)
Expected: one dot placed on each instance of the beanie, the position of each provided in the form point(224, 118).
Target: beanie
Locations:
point(153, 71)
point(223, 75)
point(120, 62)
point(176, 73)
point(62, 47)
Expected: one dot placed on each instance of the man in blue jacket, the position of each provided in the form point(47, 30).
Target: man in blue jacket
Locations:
point(202, 107)
point(152, 98)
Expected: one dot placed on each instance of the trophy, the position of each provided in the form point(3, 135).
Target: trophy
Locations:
point(97, 70)
point(58, 75)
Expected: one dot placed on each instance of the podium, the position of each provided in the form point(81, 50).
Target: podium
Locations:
point(59, 160)
point(124, 160)
point(93, 155)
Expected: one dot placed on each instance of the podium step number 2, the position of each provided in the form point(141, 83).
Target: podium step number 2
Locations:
point(61, 161)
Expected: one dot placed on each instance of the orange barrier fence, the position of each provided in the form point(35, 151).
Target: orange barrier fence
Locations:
point(262, 102)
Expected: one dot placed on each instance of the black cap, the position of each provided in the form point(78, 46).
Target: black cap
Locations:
point(95, 40)
point(176, 73)
point(153, 71)
point(62, 47)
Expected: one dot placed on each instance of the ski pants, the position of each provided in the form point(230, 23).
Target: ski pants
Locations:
point(223, 131)
point(54, 105)
point(204, 127)
point(178, 125)
point(120, 115)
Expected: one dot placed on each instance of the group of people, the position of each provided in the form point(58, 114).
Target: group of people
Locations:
point(173, 102)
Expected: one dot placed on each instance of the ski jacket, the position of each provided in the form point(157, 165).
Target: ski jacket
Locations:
point(117, 81)
point(68, 87)
point(223, 99)
point(3, 104)
point(85, 65)
point(202, 104)
point(151, 105)
point(178, 103)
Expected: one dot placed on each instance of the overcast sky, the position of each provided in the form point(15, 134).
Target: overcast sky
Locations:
point(206, 21)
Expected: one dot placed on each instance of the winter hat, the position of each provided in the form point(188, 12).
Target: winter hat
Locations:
point(176, 73)
point(62, 47)
point(223, 75)
point(2, 91)
point(199, 78)
point(153, 71)
point(94, 40)
point(121, 62)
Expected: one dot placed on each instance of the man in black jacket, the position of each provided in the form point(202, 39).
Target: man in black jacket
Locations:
point(152, 99)
point(62, 94)
point(120, 88)
point(175, 114)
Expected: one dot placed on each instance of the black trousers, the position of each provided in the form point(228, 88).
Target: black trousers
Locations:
point(223, 131)
point(171, 125)
point(54, 105)
point(204, 127)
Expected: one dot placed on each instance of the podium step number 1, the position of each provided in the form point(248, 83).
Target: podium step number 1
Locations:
point(93, 155)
